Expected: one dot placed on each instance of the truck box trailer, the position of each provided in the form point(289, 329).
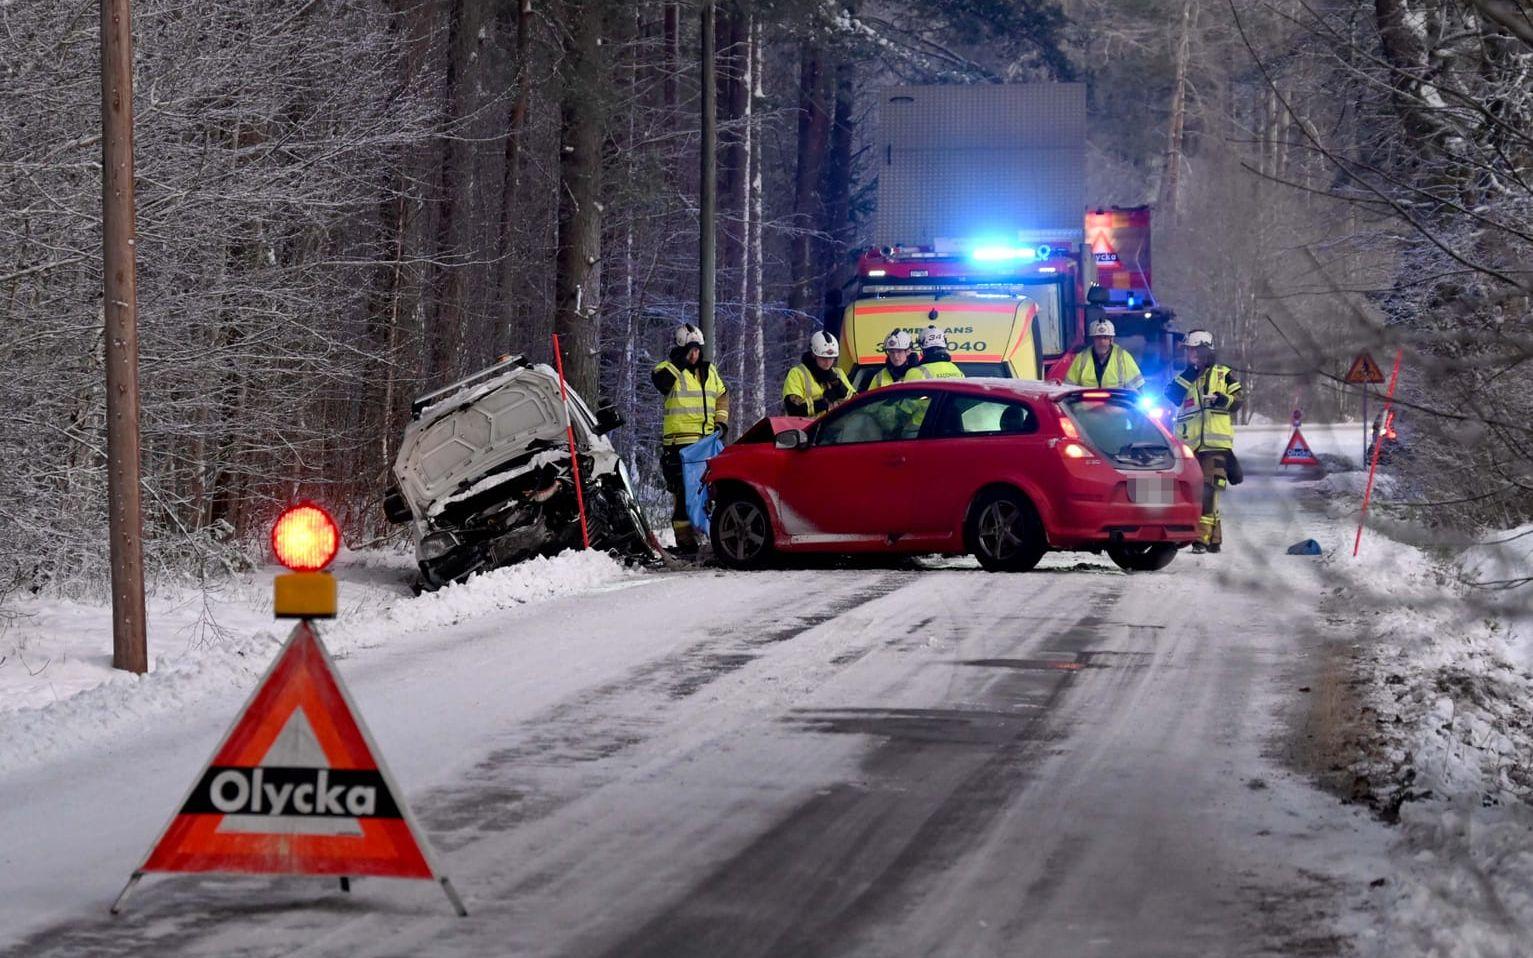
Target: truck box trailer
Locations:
point(981, 195)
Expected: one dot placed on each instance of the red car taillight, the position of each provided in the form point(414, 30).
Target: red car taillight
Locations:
point(1074, 450)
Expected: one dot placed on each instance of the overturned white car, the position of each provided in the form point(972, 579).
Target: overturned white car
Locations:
point(483, 476)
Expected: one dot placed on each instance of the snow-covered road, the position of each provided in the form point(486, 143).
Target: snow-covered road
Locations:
point(878, 761)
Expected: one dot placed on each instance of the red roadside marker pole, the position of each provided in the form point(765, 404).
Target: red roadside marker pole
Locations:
point(569, 432)
point(1389, 397)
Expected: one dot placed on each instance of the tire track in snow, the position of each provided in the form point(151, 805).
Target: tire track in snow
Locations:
point(852, 856)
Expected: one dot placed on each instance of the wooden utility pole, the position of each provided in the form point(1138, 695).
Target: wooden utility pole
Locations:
point(577, 281)
point(707, 219)
point(120, 305)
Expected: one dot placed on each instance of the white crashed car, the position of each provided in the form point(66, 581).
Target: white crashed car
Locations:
point(483, 476)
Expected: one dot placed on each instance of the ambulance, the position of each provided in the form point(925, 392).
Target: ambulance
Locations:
point(987, 334)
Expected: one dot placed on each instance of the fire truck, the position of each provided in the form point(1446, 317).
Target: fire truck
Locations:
point(980, 231)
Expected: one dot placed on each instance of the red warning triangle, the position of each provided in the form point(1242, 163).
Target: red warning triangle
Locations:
point(1365, 370)
point(1102, 250)
point(1298, 452)
point(295, 788)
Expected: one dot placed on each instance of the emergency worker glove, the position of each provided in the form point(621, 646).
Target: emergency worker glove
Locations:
point(723, 430)
point(1219, 401)
point(836, 391)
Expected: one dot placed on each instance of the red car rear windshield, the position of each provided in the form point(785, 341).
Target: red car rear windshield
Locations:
point(1119, 430)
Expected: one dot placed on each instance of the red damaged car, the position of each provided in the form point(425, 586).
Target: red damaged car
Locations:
point(1004, 469)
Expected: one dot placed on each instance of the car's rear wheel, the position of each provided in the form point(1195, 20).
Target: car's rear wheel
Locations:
point(1005, 533)
point(1142, 556)
point(741, 531)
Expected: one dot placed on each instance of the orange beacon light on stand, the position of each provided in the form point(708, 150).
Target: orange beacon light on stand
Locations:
point(305, 539)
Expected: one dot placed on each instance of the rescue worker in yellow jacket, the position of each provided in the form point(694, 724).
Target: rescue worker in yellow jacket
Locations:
point(899, 362)
point(816, 384)
point(1106, 365)
point(696, 405)
point(1205, 395)
point(936, 361)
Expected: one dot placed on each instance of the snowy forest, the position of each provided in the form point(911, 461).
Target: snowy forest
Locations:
point(345, 203)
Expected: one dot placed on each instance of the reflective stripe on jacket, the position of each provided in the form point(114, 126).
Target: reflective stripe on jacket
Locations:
point(1119, 372)
point(886, 378)
point(1199, 425)
point(693, 409)
point(801, 384)
point(942, 369)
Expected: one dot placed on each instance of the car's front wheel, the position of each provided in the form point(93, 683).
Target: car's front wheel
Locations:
point(1142, 556)
point(1005, 533)
point(741, 531)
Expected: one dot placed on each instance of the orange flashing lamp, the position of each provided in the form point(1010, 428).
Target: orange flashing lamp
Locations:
point(305, 539)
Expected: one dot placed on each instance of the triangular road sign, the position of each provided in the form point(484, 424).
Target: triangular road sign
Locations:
point(296, 787)
point(1298, 452)
point(1365, 370)
point(1102, 250)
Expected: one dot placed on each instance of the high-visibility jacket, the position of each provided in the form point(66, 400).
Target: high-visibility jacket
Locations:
point(694, 407)
point(940, 365)
point(886, 378)
point(1199, 422)
point(1119, 372)
point(803, 385)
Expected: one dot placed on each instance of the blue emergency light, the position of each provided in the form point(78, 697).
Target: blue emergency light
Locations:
point(1002, 254)
point(1150, 406)
point(999, 254)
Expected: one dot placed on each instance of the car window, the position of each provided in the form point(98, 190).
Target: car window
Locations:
point(887, 418)
point(1120, 431)
point(983, 416)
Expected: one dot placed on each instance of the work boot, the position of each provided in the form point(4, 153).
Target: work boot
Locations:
point(1213, 547)
point(686, 540)
point(1198, 548)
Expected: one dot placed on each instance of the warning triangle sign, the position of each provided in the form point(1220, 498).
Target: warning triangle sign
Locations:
point(296, 787)
point(1365, 370)
point(1298, 452)
point(1102, 250)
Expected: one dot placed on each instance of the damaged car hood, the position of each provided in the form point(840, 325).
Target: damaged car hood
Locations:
point(462, 444)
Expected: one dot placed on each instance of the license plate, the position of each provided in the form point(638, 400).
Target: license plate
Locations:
point(1151, 490)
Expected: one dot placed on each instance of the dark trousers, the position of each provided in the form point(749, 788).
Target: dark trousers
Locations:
point(681, 523)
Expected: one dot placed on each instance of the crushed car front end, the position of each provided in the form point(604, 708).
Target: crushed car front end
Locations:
point(484, 477)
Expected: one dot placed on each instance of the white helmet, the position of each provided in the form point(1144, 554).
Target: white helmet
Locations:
point(688, 335)
point(1103, 327)
point(1199, 337)
point(824, 345)
point(899, 339)
point(933, 338)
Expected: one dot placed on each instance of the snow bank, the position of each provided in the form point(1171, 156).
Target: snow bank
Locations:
point(58, 691)
point(1445, 742)
point(1497, 568)
point(536, 580)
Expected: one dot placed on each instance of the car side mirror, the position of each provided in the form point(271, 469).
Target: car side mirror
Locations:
point(608, 419)
point(791, 439)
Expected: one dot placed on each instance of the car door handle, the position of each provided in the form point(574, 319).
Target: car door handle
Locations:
point(894, 460)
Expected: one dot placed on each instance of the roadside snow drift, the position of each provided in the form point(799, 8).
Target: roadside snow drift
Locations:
point(59, 692)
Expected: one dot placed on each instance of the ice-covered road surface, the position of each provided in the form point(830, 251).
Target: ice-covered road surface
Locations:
point(848, 762)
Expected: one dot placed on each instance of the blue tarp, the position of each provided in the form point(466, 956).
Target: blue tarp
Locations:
point(1309, 547)
point(694, 459)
